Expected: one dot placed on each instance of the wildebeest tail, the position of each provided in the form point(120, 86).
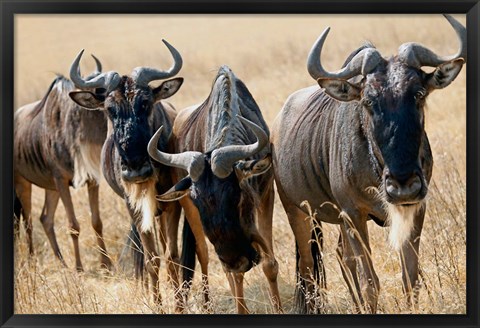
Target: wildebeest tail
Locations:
point(318, 275)
point(188, 253)
point(17, 211)
point(132, 252)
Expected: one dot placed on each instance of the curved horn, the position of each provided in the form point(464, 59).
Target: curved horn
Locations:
point(97, 63)
point(192, 161)
point(143, 75)
point(416, 55)
point(362, 63)
point(98, 69)
point(108, 80)
point(223, 158)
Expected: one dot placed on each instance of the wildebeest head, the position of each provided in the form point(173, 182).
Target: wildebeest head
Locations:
point(128, 101)
point(217, 184)
point(392, 95)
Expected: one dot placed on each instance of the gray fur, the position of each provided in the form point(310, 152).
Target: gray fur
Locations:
point(56, 147)
point(55, 136)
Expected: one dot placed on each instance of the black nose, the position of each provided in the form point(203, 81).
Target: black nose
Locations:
point(240, 264)
point(403, 188)
point(137, 175)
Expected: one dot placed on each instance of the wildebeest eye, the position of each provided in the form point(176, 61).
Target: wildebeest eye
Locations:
point(367, 104)
point(100, 91)
point(142, 104)
point(421, 94)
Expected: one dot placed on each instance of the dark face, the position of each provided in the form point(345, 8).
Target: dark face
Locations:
point(129, 109)
point(394, 99)
point(226, 212)
point(393, 93)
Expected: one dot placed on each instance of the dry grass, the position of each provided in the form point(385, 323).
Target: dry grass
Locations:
point(268, 53)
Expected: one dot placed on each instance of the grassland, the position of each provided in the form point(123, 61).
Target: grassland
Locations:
point(268, 53)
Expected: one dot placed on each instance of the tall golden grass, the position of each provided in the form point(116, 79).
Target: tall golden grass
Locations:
point(268, 52)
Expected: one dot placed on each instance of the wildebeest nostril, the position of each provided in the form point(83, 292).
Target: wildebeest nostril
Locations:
point(415, 184)
point(390, 182)
point(404, 190)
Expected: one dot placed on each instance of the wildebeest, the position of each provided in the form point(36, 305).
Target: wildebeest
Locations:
point(356, 149)
point(135, 111)
point(223, 145)
point(55, 148)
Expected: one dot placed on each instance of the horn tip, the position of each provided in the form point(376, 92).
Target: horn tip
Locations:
point(80, 54)
point(322, 37)
point(450, 19)
point(97, 62)
point(158, 132)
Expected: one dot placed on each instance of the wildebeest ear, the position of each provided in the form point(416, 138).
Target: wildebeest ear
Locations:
point(178, 191)
point(340, 89)
point(444, 74)
point(247, 169)
point(87, 99)
point(167, 88)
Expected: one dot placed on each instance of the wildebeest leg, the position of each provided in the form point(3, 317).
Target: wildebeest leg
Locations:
point(348, 265)
point(270, 264)
point(236, 287)
point(151, 257)
point(162, 229)
point(169, 221)
point(409, 258)
point(97, 224)
point(309, 268)
point(152, 263)
point(239, 296)
point(357, 235)
point(193, 217)
point(24, 193)
point(235, 281)
point(231, 283)
point(302, 230)
point(64, 191)
point(48, 222)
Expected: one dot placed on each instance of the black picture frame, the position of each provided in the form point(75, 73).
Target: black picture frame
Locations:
point(9, 8)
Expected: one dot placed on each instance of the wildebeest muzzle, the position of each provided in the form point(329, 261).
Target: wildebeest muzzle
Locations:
point(137, 174)
point(404, 188)
point(240, 263)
